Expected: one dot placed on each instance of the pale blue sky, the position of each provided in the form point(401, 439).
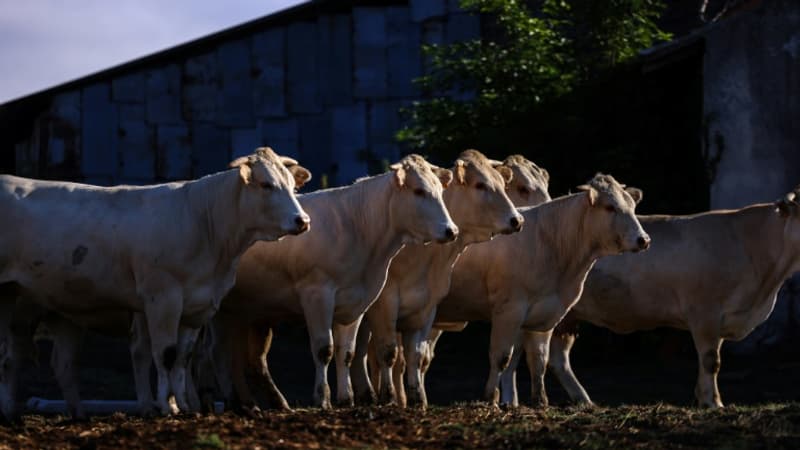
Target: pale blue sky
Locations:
point(47, 42)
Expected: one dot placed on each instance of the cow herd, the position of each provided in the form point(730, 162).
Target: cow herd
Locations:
point(198, 273)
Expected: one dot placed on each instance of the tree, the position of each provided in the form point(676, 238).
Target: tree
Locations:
point(486, 88)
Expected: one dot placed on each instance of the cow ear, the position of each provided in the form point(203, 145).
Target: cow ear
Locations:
point(288, 162)
point(591, 193)
point(505, 172)
point(460, 171)
point(785, 204)
point(445, 176)
point(246, 173)
point(399, 174)
point(635, 193)
point(239, 161)
point(545, 174)
point(301, 175)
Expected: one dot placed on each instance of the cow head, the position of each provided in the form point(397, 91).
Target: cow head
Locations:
point(529, 185)
point(477, 197)
point(416, 205)
point(612, 216)
point(789, 208)
point(268, 193)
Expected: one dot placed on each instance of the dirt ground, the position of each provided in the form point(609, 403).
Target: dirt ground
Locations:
point(643, 384)
point(469, 425)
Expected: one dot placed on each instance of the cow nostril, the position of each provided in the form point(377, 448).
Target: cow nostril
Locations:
point(515, 222)
point(643, 242)
point(450, 233)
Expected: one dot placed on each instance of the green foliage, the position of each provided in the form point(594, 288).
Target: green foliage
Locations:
point(209, 441)
point(489, 86)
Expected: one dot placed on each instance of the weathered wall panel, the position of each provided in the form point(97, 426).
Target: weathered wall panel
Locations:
point(235, 96)
point(422, 10)
point(135, 147)
point(349, 141)
point(334, 37)
point(369, 53)
point(201, 80)
point(304, 96)
point(244, 141)
point(174, 152)
point(269, 70)
point(128, 88)
point(282, 136)
point(163, 95)
point(403, 54)
point(315, 150)
point(211, 149)
point(98, 155)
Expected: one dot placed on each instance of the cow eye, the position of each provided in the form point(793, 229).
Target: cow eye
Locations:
point(480, 186)
point(419, 192)
point(610, 208)
point(267, 186)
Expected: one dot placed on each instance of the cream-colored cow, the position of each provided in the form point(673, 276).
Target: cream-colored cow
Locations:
point(330, 275)
point(169, 251)
point(716, 274)
point(529, 280)
point(420, 277)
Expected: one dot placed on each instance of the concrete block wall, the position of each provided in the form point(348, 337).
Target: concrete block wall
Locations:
point(325, 90)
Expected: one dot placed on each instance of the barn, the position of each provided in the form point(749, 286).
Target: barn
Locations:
point(322, 82)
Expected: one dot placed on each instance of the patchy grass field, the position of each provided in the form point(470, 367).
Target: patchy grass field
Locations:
point(465, 425)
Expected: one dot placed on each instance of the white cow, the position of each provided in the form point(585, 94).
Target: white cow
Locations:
point(419, 277)
point(329, 276)
point(716, 274)
point(529, 280)
point(169, 251)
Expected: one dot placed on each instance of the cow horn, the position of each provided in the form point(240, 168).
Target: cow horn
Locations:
point(790, 197)
point(288, 161)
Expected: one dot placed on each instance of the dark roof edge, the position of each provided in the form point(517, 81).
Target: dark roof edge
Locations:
point(303, 11)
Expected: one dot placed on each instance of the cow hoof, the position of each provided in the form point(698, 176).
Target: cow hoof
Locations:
point(367, 398)
point(540, 402)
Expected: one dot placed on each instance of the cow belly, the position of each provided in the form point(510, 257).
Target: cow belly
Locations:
point(736, 325)
point(545, 314)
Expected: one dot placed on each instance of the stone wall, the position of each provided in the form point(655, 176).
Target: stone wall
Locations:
point(752, 115)
point(325, 90)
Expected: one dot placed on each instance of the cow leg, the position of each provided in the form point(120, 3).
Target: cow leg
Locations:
point(63, 360)
point(384, 339)
point(707, 346)
point(239, 352)
point(415, 346)
point(142, 361)
point(318, 312)
point(178, 376)
point(163, 313)
point(203, 368)
point(560, 346)
point(345, 347)
point(508, 380)
point(506, 327)
point(427, 358)
point(9, 358)
point(374, 370)
point(397, 377)
point(261, 340)
point(364, 392)
point(536, 345)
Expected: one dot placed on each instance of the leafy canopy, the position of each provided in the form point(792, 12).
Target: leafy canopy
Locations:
point(537, 52)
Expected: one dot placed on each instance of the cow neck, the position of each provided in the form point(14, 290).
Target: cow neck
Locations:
point(776, 259)
point(228, 234)
point(364, 204)
point(466, 235)
point(562, 224)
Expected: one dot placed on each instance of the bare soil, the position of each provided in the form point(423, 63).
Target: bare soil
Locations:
point(468, 425)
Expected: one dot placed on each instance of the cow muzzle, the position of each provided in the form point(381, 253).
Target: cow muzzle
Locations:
point(643, 242)
point(302, 224)
point(449, 234)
